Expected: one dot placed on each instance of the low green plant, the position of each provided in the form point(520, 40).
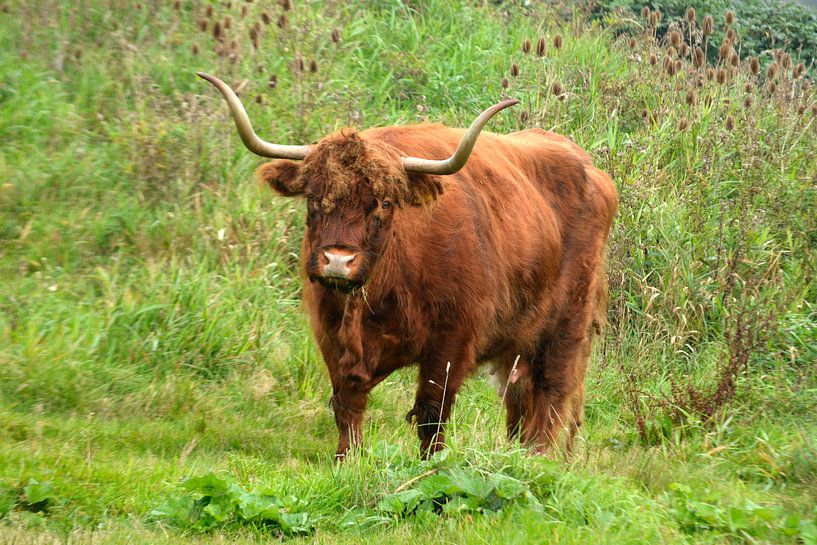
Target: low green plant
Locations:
point(456, 491)
point(703, 512)
point(210, 501)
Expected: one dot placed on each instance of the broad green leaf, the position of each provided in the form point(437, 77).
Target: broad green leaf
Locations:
point(208, 484)
point(38, 492)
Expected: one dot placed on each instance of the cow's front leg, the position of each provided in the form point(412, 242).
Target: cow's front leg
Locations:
point(351, 393)
point(440, 380)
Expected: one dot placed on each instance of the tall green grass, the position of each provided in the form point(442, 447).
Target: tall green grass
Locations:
point(150, 324)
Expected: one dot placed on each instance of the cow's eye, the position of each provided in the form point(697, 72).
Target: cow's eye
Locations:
point(385, 205)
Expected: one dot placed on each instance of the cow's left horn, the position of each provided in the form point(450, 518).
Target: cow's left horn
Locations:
point(464, 148)
point(248, 136)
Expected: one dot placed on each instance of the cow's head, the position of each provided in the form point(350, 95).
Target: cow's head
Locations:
point(352, 188)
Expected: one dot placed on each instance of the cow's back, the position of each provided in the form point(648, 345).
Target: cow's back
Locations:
point(490, 253)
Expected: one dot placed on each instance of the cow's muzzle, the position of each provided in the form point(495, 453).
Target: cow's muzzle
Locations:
point(337, 268)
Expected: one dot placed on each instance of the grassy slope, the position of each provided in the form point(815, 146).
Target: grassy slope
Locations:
point(149, 316)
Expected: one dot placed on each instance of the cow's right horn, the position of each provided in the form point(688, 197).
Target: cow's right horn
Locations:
point(248, 136)
point(464, 148)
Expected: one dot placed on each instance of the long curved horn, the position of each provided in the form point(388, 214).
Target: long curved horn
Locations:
point(248, 136)
point(464, 148)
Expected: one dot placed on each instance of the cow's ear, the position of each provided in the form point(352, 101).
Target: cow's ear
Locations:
point(424, 188)
point(282, 176)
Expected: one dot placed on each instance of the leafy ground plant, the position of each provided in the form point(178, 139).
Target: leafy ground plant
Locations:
point(457, 490)
point(209, 501)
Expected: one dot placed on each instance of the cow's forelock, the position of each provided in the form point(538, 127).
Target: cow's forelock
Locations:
point(344, 167)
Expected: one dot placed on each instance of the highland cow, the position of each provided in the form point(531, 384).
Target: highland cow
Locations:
point(495, 254)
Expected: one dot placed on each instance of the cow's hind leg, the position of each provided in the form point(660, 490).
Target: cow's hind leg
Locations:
point(556, 391)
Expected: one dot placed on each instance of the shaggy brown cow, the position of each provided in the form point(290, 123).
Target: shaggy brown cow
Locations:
point(449, 264)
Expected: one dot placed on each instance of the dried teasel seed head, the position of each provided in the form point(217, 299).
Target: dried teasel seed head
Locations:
point(754, 65)
point(195, 49)
point(177, 5)
point(771, 71)
point(557, 41)
point(541, 47)
point(772, 87)
point(645, 114)
point(734, 59)
point(78, 54)
point(228, 22)
point(203, 25)
point(244, 11)
point(670, 68)
point(747, 101)
point(654, 19)
point(710, 74)
point(667, 62)
point(658, 15)
point(731, 35)
point(685, 50)
point(785, 61)
point(524, 116)
point(557, 88)
point(259, 99)
point(690, 14)
point(721, 76)
point(632, 43)
point(273, 81)
point(814, 110)
point(678, 66)
point(265, 17)
point(299, 64)
point(799, 70)
point(217, 31)
point(692, 97)
point(675, 38)
point(698, 57)
point(645, 12)
point(335, 35)
point(653, 59)
point(313, 66)
point(683, 124)
point(283, 21)
point(748, 87)
point(700, 81)
point(514, 70)
point(725, 50)
point(285, 4)
point(254, 38)
point(730, 17)
point(709, 25)
point(671, 53)
point(730, 123)
point(209, 11)
point(505, 83)
point(526, 46)
point(801, 109)
point(138, 6)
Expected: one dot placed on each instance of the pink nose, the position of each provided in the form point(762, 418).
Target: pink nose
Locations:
point(338, 263)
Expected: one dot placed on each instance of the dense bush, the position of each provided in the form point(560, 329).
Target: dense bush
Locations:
point(762, 24)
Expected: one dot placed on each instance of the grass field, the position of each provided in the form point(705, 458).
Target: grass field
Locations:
point(150, 323)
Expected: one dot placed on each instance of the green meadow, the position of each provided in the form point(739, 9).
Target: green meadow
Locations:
point(158, 379)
